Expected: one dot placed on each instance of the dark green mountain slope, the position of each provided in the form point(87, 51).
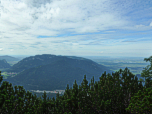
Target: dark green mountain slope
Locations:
point(4, 64)
point(34, 61)
point(47, 72)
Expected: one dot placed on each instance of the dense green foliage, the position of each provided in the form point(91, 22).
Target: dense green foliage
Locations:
point(104, 96)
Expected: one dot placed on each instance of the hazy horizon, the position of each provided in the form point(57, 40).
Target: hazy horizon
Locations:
point(76, 55)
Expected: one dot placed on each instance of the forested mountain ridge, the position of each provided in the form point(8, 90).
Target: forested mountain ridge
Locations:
point(4, 64)
point(50, 72)
point(29, 62)
point(38, 60)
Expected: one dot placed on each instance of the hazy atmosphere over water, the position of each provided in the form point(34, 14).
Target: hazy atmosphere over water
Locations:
point(76, 27)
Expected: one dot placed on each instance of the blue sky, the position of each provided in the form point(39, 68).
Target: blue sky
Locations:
point(76, 27)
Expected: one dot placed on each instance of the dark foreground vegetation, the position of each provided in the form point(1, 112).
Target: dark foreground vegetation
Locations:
point(103, 97)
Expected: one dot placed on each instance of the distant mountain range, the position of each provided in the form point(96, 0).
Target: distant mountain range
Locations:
point(9, 58)
point(51, 72)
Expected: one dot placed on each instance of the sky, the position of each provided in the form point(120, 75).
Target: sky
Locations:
point(76, 27)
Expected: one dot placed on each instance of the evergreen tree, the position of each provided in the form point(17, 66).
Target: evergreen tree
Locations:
point(147, 72)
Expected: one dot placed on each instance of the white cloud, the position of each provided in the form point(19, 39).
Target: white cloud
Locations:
point(22, 21)
point(11, 50)
point(150, 24)
point(1, 49)
point(101, 52)
point(59, 15)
